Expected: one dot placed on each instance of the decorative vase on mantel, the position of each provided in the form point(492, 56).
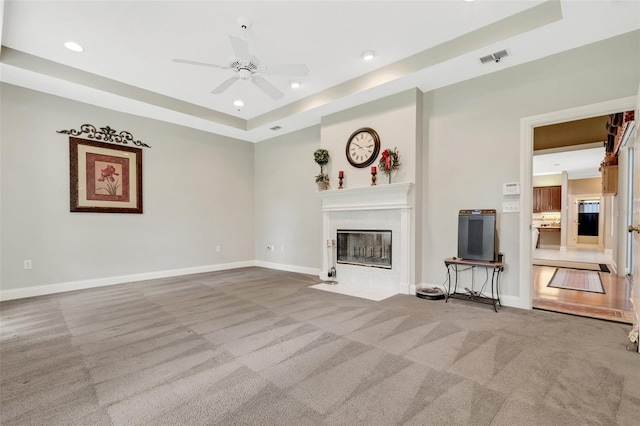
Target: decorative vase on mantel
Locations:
point(322, 180)
point(323, 184)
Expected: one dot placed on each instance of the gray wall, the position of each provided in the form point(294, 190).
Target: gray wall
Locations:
point(198, 193)
point(287, 205)
point(473, 141)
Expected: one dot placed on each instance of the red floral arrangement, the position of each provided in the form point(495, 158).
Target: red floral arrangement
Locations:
point(389, 161)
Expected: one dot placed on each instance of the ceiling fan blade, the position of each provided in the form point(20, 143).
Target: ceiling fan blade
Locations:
point(240, 48)
point(267, 87)
point(224, 85)
point(298, 70)
point(204, 64)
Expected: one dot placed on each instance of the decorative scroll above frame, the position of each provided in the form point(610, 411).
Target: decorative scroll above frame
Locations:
point(105, 134)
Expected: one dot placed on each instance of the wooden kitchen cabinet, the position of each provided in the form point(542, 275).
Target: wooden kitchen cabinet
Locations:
point(556, 198)
point(547, 199)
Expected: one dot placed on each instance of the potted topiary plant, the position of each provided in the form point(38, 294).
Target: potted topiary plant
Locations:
point(321, 157)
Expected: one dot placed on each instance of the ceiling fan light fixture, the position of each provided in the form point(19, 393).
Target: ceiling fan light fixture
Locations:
point(73, 46)
point(247, 67)
point(238, 103)
point(368, 55)
point(294, 84)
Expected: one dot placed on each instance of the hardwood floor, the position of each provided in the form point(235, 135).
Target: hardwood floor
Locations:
point(581, 253)
point(614, 305)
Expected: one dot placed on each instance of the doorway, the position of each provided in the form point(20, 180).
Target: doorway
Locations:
point(587, 258)
point(528, 125)
point(588, 221)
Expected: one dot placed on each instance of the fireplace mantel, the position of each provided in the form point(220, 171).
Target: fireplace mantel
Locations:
point(378, 197)
point(379, 207)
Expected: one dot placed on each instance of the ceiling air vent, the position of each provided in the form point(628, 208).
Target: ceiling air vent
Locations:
point(276, 127)
point(494, 57)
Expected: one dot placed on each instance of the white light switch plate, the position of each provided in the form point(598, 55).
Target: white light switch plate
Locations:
point(510, 206)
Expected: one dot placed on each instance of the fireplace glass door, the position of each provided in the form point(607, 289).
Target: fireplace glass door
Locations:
point(364, 248)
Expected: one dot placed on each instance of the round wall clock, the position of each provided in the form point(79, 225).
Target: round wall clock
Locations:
point(363, 147)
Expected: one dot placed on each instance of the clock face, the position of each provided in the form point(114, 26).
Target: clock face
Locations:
point(363, 147)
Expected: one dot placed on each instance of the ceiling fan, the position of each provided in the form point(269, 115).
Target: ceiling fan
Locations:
point(247, 67)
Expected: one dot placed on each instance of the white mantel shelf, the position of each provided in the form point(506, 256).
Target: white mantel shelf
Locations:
point(377, 197)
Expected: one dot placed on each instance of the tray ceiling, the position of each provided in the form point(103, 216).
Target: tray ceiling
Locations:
point(129, 46)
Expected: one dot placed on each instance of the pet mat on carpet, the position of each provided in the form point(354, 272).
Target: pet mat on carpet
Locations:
point(571, 279)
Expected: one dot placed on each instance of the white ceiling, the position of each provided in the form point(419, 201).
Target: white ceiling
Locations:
point(579, 164)
point(426, 44)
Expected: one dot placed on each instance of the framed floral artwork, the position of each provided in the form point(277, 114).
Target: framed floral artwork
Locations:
point(104, 178)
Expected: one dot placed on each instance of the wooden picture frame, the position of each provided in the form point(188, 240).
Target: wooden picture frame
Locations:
point(104, 178)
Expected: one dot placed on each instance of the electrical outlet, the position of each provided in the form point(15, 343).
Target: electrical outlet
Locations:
point(271, 248)
point(218, 248)
point(28, 264)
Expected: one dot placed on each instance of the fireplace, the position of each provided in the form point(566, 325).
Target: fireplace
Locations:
point(364, 248)
point(384, 209)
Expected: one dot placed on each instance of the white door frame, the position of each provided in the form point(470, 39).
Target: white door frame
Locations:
point(527, 124)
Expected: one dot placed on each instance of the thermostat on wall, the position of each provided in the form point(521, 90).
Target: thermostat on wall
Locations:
point(512, 188)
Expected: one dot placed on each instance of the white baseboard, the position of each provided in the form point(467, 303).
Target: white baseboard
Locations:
point(41, 290)
point(515, 302)
point(411, 289)
point(510, 301)
point(288, 268)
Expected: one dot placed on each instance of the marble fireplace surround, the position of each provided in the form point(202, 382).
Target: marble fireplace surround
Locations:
point(379, 207)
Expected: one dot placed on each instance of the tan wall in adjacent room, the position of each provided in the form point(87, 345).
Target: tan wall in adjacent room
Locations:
point(585, 186)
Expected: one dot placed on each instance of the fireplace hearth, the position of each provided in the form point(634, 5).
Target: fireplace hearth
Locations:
point(364, 248)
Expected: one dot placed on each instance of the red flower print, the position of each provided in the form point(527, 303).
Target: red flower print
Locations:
point(107, 175)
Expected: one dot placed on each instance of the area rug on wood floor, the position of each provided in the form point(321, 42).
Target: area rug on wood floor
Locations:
point(570, 279)
point(609, 314)
point(573, 265)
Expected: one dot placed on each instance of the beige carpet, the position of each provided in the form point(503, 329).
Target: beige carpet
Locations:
point(570, 279)
point(258, 347)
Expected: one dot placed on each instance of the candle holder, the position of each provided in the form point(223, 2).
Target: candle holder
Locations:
point(340, 181)
point(373, 177)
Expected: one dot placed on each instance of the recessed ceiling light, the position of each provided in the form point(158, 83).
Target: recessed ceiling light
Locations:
point(294, 84)
point(368, 55)
point(72, 45)
point(238, 103)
